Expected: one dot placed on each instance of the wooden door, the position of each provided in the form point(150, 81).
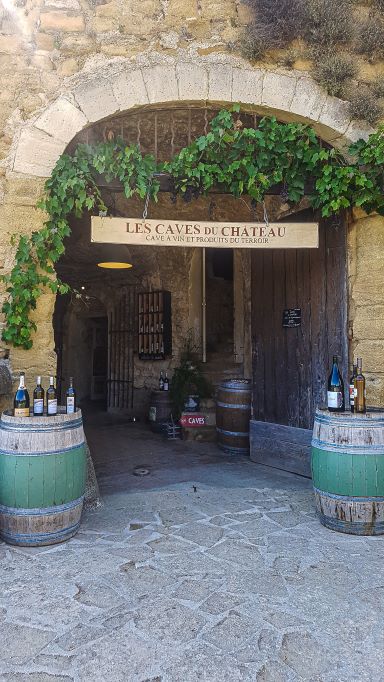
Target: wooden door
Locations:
point(291, 365)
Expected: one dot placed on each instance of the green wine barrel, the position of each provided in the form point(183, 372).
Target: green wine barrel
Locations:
point(348, 471)
point(42, 478)
point(233, 412)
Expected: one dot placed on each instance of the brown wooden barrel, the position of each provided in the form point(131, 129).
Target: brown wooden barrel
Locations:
point(233, 412)
point(160, 409)
point(42, 478)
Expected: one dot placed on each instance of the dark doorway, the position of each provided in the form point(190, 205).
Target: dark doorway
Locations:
point(219, 300)
point(291, 364)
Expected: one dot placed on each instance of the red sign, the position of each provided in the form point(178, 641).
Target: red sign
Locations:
point(192, 420)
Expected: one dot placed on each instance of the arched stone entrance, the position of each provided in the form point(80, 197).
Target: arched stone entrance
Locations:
point(123, 85)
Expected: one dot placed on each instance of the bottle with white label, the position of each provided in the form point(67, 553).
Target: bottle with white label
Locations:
point(38, 398)
point(70, 398)
point(335, 393)
point(21, 400)
point(51, 399)
point(166, 382)
point(352, 388)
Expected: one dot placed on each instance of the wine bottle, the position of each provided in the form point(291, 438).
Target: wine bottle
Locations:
point(161, 382)
point(335, 394)
point(166, 382)
point(25, 388)
point(38, 398)
point(70, 398)
point(359, 386)
point(352, 388)
point(21, 400)
point(51, 399)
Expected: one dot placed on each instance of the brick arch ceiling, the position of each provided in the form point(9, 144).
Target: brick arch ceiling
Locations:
point(125, 85)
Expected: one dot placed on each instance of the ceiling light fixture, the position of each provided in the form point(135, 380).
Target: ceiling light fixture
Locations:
point(111, 265)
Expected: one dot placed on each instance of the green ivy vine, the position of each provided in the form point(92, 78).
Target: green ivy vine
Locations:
point(240, 160)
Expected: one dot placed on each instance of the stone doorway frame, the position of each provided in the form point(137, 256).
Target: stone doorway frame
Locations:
point(123, 85)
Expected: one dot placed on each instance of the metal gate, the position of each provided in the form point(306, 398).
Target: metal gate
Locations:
point(121, 332)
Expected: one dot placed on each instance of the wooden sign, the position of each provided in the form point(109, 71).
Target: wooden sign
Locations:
point(205, 234)
point(192, 420)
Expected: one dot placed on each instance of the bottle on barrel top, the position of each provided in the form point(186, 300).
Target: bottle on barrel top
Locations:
point(352, 388)
point(38, 398)
point(70, 398)
point(21, 400)
point(359, 386)
point(51, 399)
point(335, 393)
point(161, 382)
point(166, 382)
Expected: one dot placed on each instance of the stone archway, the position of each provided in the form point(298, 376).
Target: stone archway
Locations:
point(122, 85)
point(109, 87)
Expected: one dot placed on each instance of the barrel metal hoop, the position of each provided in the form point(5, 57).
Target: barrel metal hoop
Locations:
point(39, 538)
point(242, 434)
point(347, 498)
point(351, 527)
point(44, 511)
point(35, 453)
point(352, 421)
point(343, 449)
point(66, 426)
point(235, 407)
point(233, 450)
point(229, 389)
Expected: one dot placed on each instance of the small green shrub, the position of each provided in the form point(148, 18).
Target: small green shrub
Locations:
point(334, 71)
point(329, 22)
point(364, 106)
point(370, 39)
point(378, 87)
point(284, 20)
point(256, 41)
point(289, 58)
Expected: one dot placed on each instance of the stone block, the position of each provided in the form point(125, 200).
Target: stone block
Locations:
point(129, 89)
point(104, 24)
point(161, 83)
point(247, 85)
point(44, 41)
point(62, 119)
point(63, 4)
point(192, 80)
point(61, 21)
point(68, 67)
point(9, 44)
point(308, 100)
point(182, 10)
point(220, 83)
point(37, 152)
point(368, 322)
point(335, 115)
point(96, 99)
point(372, 352)
point(278, 90)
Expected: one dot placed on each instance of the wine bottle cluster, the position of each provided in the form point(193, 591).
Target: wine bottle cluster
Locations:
point(154, 325)
point(43, 403)
point(357, 391)
point(163, 382)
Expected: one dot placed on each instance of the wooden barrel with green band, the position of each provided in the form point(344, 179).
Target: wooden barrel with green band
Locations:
point(42, 478)
point(348, 471)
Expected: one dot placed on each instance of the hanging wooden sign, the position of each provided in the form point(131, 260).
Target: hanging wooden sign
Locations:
point(163, 232)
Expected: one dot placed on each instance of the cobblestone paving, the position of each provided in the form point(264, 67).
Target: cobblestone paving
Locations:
point(221, 574)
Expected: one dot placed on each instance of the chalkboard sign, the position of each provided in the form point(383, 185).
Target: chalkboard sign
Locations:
point(292, 317)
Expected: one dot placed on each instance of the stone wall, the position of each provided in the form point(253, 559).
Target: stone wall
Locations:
point(65, 63)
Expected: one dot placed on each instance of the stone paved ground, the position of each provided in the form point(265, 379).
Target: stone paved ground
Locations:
point(208, 569)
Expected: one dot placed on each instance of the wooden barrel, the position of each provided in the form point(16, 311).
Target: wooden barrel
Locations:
point(348, 471)
point(160, 410)
point(42, 478)
point(233, 412)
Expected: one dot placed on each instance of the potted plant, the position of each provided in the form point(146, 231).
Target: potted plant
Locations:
point(188, 384)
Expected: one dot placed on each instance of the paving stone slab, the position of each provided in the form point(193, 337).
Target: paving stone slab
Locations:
point(19, 643)
point(170, 621)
